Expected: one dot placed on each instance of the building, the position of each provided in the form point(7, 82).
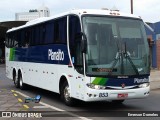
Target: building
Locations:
point(43, 11)
point(154, 40)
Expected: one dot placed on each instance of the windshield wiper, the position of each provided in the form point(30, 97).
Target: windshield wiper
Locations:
point(121, 55)
point(130, 60)
point(115, 62)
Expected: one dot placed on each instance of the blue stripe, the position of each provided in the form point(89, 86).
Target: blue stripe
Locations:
point(127, 81)
point(39, 54)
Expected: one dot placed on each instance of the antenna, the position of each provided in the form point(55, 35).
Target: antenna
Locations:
point(131, 6)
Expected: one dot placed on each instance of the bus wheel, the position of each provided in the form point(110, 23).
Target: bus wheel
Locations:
point(65, 94)
point(117, 101)
point(14, 76)
point(21, 84)
point(16, 81)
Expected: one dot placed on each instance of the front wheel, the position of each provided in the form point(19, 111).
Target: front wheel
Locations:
point(65, 94)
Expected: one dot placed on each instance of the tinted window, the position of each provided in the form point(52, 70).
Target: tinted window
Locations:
point(75, 42)
point(60, 30)
point(49, 30)
point(54, 31)
point(36, 35)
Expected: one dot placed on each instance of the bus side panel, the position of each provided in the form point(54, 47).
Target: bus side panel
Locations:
point(40, 75)
point(39, 64)
point(9, 65)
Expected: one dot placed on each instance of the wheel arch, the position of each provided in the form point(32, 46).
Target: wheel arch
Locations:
point(63, 78)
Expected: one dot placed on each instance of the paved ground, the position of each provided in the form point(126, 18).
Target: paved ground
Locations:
point(8, 101)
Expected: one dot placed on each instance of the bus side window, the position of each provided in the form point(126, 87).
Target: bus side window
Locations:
point(42, 34)
point(7, 42)
point(32, 36)
point(22, 35)
point(19, 39)
point(27, 38)
point(37, 36)
point(15, 40)
point(10, 40)
point(60, 30)
point(49, 27)
point(74, 43)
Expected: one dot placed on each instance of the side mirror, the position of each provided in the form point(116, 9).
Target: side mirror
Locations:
point(84, 43)
point(83, 39)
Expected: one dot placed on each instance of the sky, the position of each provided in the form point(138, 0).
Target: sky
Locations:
point(149, 10)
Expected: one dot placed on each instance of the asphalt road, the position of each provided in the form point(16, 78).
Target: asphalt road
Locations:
point(94, 110)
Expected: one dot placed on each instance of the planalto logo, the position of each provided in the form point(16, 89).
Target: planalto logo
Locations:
point(59, 55)
point(137, 80)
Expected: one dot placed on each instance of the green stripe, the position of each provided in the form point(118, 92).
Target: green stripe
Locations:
point(100, 81)
point(12, 54)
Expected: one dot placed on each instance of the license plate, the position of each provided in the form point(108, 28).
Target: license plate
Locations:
point(122, 95)
point(103, 94)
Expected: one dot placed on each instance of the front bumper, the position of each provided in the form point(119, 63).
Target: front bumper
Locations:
point(104, 95)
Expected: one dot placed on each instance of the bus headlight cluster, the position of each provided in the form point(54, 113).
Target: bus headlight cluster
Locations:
point(98, 87)
point(144, 85)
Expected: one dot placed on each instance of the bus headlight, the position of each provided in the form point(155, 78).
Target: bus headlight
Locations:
point(144, 85)
point(97, 87)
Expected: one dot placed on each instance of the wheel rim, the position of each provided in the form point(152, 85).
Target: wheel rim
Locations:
point(67, 93)
point(20, 82)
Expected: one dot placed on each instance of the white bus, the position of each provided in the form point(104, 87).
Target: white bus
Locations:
point(90, 55)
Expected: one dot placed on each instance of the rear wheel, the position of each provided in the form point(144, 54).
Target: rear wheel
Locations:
point(14, 76)
point(65, 94)
point(21, 84)
point(16, 81)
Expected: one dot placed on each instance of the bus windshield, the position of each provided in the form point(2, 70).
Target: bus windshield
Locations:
point(115, 46)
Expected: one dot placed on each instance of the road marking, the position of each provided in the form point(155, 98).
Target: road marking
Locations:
point(4, 89)
point(40, 107)
point(26, 106)
point(55, 108)
point(15, 95)
point(12, 91)
point(20, 100)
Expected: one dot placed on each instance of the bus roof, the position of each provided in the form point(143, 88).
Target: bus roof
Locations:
point(78, 12)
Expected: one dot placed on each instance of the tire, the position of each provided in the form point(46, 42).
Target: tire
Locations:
point(16, 81)
point(14, 76)
point(118, 102)
point(21, 84)
point(65, 94)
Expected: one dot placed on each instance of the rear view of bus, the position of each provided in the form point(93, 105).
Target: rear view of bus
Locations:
point(116, 57)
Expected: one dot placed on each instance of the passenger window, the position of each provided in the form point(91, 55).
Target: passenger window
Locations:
point(75, 43)
point(60, 30)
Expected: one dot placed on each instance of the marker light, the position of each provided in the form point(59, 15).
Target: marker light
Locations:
point(144, 85)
